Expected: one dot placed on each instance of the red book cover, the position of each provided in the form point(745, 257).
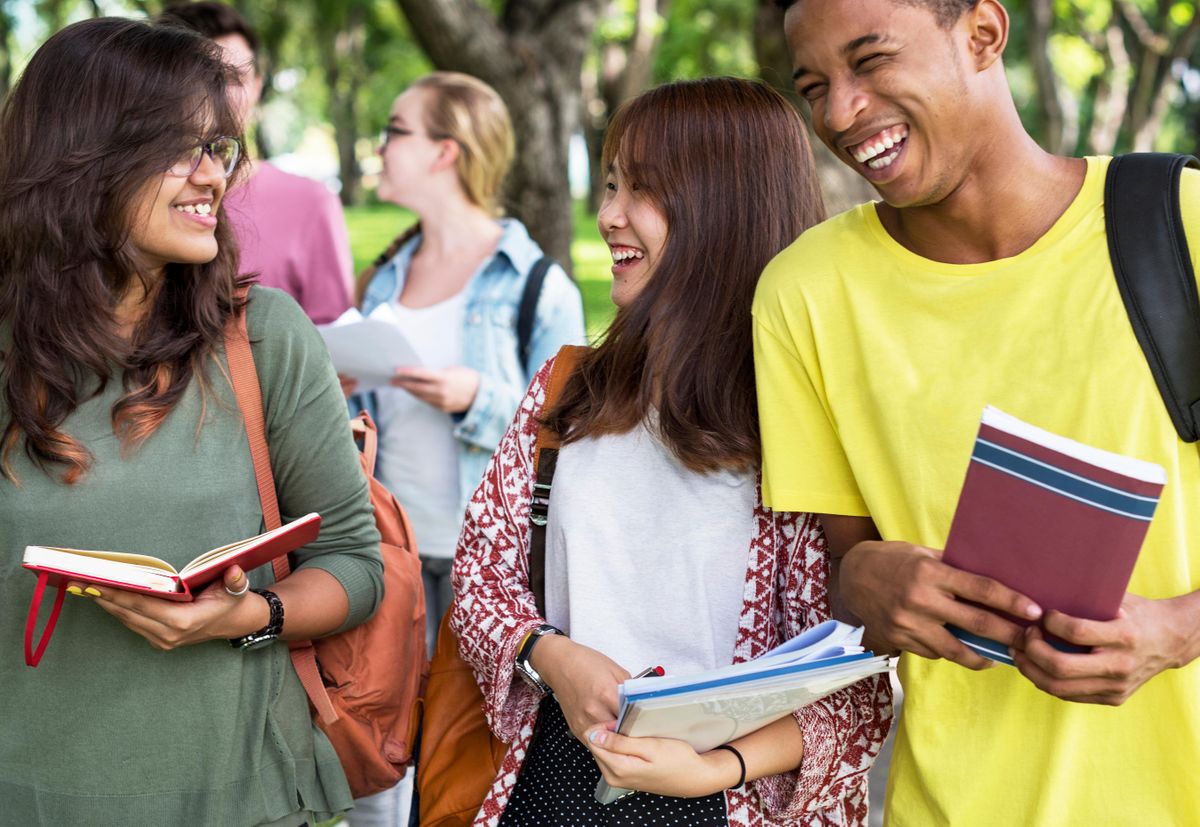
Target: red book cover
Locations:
point(150, 575)
point(1059, 521)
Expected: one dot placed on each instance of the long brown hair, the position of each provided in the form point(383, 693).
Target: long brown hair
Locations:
point(728, 163)
point(105, 106)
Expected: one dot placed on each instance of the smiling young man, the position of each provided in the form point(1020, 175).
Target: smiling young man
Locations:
point(981, 278)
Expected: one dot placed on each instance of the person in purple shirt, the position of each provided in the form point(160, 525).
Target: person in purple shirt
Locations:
point(290, 230)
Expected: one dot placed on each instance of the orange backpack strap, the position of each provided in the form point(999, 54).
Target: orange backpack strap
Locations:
point(244, 376)
point(545, 459)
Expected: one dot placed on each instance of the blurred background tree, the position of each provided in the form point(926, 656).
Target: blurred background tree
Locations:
point(1089, 76)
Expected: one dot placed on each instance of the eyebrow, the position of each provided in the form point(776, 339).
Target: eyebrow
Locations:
point(848, 49)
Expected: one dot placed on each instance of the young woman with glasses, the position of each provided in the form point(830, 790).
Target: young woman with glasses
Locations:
point(119, 430)
point(658, 548)
point(454, 283)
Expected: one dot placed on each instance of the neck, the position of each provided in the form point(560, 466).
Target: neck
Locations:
point(1013, 194)
point(452, 226)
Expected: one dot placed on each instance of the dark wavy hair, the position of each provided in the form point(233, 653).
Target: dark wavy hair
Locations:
point(104, 107)
point(728, 163)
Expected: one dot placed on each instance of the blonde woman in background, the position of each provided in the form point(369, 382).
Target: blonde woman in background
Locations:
point(456, 281)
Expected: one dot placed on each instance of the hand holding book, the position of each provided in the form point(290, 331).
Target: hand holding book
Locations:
point(130, 584)
point(220, 611)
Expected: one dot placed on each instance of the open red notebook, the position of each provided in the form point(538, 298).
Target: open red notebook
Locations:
point(150, 575)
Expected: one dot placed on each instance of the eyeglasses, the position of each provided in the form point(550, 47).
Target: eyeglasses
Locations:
point(224, 151)
point(388, 132)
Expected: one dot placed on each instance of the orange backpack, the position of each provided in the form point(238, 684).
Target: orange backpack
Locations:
point(364, 684)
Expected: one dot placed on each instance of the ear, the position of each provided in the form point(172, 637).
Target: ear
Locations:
point(987, 32)
point(447, 157)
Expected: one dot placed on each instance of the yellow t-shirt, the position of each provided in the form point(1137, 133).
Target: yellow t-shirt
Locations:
point(874, 365)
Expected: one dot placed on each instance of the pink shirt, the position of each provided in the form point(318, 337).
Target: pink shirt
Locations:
point(291, 231)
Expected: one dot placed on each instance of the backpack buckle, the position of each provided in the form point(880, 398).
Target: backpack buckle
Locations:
point(539, 508)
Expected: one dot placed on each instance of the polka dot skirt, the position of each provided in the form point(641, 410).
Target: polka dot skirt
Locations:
point(557, 786)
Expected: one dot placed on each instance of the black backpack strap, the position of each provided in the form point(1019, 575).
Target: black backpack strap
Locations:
point(1148, 247)
point(528, 309)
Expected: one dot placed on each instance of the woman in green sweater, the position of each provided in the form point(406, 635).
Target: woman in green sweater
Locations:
point(119, 430)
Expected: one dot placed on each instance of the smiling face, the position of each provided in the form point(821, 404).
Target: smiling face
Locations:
point(174, 219)
point(891, 92)
point(635, 230)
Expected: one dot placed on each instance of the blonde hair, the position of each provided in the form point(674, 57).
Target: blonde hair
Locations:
point(472, 114)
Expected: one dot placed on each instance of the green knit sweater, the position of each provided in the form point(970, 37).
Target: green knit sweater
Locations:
point(109, 731)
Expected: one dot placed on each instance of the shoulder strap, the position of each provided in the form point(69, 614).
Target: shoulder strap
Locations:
point(244, 377)
point(528, 309)
point(1148, 247)
point(545, 458)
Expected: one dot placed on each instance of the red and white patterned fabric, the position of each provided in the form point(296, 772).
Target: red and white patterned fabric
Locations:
point(785, 593)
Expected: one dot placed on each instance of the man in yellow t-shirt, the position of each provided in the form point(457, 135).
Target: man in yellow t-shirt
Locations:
point(982, 278)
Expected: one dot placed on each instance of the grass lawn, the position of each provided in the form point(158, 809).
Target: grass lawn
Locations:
point(373, 227)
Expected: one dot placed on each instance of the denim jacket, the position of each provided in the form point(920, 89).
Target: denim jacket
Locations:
point(490, 338)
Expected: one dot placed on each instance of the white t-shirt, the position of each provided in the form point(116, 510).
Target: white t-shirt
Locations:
point(418, 454)
point(646, 560)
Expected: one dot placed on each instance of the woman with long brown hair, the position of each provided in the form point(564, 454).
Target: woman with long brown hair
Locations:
point(658, 548)
point(120, 431)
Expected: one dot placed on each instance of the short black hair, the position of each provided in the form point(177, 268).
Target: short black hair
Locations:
point(946, 12)
point(210, 19)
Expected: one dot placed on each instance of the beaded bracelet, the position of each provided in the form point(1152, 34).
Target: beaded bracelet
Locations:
point(741, 762)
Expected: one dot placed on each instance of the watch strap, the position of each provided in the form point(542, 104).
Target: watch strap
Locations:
point(272, 630)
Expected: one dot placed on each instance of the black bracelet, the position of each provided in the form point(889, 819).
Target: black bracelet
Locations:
point(741, 762)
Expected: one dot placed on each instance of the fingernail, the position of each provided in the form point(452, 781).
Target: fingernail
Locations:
point(598, 736)
point(94, 592)
point(75, 590)
point(1033, 611)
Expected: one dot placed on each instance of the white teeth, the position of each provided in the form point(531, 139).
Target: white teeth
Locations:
point(204, 209)
point(885, 161)
point(882, 143)
point(620, 256)
point(195, 209)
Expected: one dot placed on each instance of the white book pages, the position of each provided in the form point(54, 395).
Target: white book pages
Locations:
point(370, 348)
point(1117, 463)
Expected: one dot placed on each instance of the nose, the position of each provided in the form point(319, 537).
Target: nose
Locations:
point(612, 214)
point(844, 102)
point(210, 172)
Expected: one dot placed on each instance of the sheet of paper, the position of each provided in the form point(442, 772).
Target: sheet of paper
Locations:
point(369, 348)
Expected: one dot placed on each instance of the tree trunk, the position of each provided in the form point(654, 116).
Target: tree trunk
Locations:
point(625, 70)
point(1112, 95)
point(1158, 50)
point(342, 56)
point(1049, 105)
point(533, 56)
point(842, 187)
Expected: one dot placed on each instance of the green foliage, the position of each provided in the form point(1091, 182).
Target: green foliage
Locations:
point(707, 37)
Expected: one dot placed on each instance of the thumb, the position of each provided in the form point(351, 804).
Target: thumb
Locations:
point(235, 581)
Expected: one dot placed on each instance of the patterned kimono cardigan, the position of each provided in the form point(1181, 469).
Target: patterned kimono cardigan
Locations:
point(785, 593)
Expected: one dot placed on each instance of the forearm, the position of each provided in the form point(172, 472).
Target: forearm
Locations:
point(314, 604)
point(772, 750)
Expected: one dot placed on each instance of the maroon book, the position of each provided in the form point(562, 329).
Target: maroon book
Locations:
point(1057, 520)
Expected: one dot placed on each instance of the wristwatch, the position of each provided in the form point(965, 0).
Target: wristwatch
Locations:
point(267, 634)
point(522, 665)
